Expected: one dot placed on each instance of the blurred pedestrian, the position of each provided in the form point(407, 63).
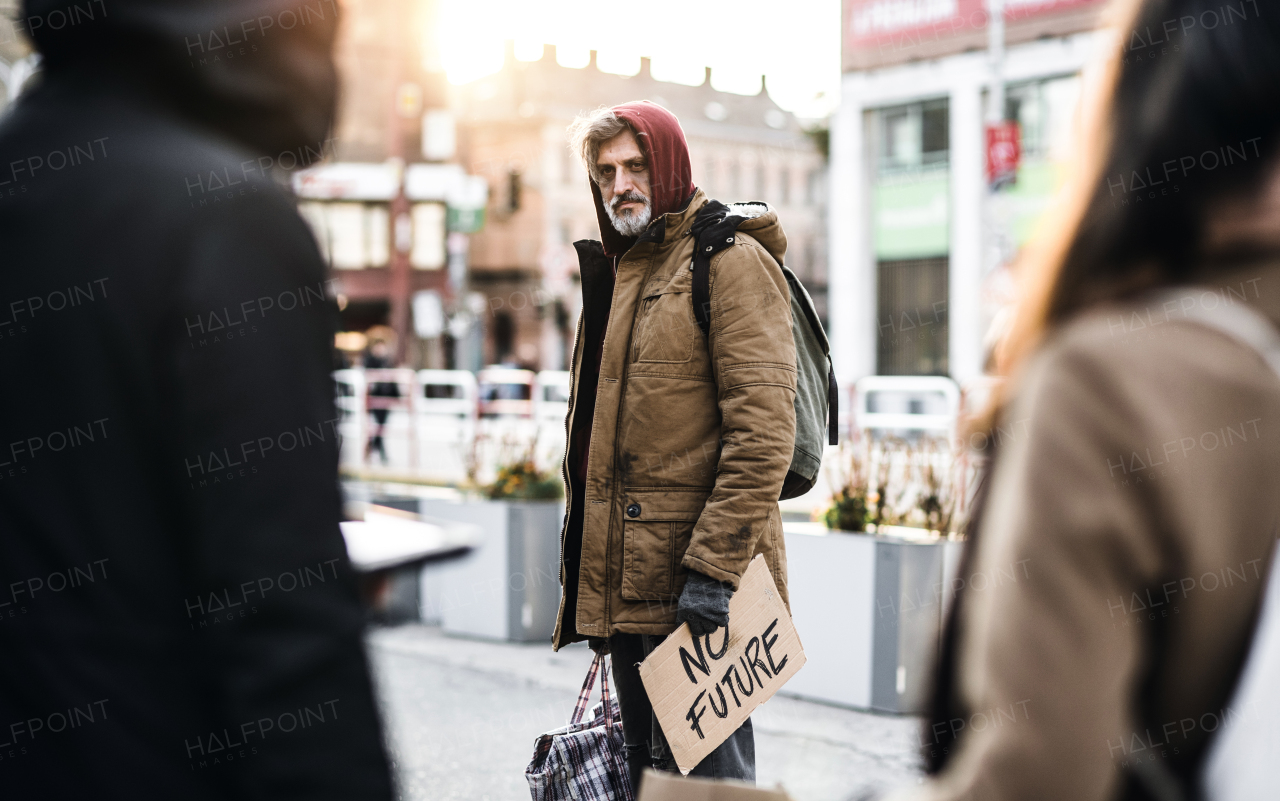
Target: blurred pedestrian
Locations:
point(1114, 569)
point(678, 443)
point(379, 358)
point(178, 617)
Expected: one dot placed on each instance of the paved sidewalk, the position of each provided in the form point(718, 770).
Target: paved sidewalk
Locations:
point(462, 716)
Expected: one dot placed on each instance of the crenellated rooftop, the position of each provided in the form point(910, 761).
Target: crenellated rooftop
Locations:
point(548, 90)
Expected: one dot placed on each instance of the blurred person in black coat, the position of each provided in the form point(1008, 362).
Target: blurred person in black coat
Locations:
point(178, 618)
point(379, 358)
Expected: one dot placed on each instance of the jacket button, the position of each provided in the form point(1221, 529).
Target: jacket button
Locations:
point(633, 510)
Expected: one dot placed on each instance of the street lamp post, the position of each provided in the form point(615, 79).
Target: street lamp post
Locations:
point(1003, 145)
point(398, 282)
point(995, 52)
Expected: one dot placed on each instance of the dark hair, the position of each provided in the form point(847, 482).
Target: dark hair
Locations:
point(280, 98)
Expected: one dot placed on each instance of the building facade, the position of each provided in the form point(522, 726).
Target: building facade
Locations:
point(389, 193)
point(512, 131)
point(920, 245)
point(447, 213)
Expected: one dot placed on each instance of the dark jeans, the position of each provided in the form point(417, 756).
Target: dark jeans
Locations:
point(735, 758)
point(375, 441)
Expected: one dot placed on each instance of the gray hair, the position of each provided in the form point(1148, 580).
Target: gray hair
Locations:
point(588, 131)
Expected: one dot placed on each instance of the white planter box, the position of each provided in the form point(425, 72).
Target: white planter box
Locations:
point(508, 587)
point(869, 610)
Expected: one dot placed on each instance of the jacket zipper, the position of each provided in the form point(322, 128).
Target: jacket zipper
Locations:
point(608, 540)
point(564, 463)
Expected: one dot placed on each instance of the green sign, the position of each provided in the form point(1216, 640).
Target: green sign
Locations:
point(912, 214)
point(466, 221)
point(1025, 203)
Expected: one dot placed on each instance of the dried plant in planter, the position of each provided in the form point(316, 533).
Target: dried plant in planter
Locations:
point(893, 482)
point(848, 510)
point(472, 462)
point(520, 477)
point(936, 498)
point(893, 473)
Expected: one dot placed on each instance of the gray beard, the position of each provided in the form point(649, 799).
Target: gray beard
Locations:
point(632, 224)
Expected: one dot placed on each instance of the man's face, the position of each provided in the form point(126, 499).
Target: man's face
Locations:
point(624, 184)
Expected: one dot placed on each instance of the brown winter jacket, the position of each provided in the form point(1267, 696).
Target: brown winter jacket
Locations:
point(1121, 557)
point(690, 436)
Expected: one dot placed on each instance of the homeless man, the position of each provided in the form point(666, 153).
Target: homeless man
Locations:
point(678, 443)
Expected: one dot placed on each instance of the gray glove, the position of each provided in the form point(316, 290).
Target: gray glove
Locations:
point(704, 604)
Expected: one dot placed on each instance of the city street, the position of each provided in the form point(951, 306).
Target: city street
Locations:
point(462, 716)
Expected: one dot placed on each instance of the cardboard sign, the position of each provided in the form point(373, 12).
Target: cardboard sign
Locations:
point(703, 689)
point(658, 786)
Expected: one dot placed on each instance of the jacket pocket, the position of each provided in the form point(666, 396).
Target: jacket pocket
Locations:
point(666, 327)
point(656, 530)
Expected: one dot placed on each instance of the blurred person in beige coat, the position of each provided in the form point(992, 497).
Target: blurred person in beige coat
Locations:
point(1137, 483)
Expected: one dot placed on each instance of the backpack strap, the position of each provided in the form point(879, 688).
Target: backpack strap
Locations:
point(1249, 327)
point(715, 229)
point(709, 238)
point(1238, 321)
point(833, 406)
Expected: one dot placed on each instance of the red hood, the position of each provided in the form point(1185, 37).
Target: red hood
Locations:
point(670, 176)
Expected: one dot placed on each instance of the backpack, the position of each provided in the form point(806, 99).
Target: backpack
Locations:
point(817, 398)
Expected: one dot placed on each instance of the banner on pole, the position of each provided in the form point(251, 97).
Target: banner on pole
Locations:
point(1004, 154)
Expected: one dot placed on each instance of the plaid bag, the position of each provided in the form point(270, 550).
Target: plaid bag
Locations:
point(583, 761)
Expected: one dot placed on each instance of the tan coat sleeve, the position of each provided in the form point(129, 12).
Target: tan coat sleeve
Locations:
point(1044, 670)
point(1044, 646)
point(753, 361)
point(1100, 516)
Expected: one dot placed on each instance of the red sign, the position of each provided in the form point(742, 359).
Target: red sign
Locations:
point(1004, 152)
point(870, 23)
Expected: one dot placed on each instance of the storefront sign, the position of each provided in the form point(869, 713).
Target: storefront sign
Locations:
point(348, 181)
point(1025, 203)
point(912, 214)
point(881, 24)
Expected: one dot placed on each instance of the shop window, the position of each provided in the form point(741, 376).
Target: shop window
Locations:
point(815, 188)
point(427, 252)
point(515, 188)
point(935, 131)
point(504, 336)
point(1044, 111)
point(351, 236)
point(912, 317)
point(913, 136)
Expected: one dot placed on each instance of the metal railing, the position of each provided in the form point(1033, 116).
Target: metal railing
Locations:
point(435, 429)
point(907, 403)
